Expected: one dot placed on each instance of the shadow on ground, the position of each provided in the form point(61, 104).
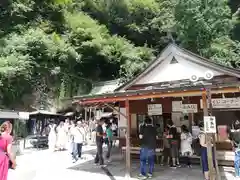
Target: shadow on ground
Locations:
point(116, 169)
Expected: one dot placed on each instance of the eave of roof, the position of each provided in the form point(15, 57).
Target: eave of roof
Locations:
point(167, 92)
point(201, 60)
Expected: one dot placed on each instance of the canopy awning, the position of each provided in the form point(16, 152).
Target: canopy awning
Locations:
point(44, 112)
point(154, 93)
point(9, 115)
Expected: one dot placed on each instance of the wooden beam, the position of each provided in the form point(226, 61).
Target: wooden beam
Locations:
point(123, 97)
point(128, 143)
point(113, 108)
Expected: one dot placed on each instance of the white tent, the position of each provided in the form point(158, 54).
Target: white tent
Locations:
point(9, 115)
point(43, 112)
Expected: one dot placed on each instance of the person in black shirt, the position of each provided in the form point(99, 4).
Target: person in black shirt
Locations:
point(148, 136)
point(99, 142)
point(174, 144)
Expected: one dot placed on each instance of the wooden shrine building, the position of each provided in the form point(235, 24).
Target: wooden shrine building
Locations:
point(174, 86)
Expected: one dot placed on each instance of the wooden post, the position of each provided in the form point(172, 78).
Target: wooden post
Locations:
point(190, 119)
point(90, 114)
point(208, 137)
point(85, 114)
point(209, 97)
point(128, 143)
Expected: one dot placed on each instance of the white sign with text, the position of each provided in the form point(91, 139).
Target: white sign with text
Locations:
point(210, 124)
point(154, 109)
point(221, 103)
point(178, 106)
point(189, 108)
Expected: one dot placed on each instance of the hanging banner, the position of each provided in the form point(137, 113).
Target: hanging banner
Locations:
point(154, 109)
point(221, 103)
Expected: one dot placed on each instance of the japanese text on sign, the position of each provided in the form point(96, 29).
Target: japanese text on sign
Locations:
point(225, 103)
point(178, 106)
point(154, 109)
point(189, 108)
point(210, 124)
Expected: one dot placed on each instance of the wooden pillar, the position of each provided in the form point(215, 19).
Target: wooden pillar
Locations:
point(85, 114)
point(208, 137)
point(190, 119)
point(128, 143)
point(209, 98)
point(90, 114)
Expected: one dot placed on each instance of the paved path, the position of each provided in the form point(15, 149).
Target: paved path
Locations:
point(47, 165)
point(41, 165)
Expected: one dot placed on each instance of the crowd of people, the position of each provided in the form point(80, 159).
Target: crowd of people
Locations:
point(72, 135)
point(60, 136)
point(175, 145)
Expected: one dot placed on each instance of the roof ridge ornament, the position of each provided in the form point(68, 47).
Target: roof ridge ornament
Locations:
point(174, 60)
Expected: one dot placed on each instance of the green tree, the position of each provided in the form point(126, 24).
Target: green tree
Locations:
point(205, 27)
point(52, 49)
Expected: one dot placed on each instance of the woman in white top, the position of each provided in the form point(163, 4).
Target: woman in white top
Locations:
point(52, 137)
point(61, 136)
point(186, 144)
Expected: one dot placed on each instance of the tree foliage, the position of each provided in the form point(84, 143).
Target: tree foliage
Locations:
point(52, 49)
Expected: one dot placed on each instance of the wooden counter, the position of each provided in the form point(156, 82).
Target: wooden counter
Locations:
point(225, 155)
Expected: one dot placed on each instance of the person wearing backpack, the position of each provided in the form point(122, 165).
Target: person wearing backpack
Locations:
point(186, 145)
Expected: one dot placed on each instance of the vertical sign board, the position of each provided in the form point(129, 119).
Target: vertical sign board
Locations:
point(210, 124)
point(154, 109)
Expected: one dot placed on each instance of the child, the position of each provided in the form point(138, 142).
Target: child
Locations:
point(166, 147)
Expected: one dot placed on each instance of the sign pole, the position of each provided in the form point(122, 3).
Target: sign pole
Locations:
point(209, 97)
point(128, 143)
point(208, 138)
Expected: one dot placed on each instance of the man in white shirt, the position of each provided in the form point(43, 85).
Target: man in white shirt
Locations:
point(78, 136)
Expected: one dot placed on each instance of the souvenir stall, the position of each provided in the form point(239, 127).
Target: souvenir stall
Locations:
point(164, 95)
